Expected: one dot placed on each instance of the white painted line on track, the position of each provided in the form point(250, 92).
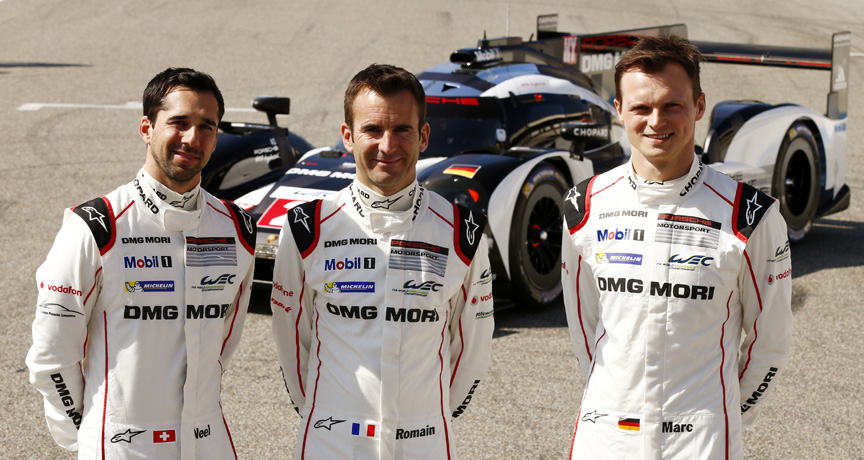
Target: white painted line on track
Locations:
point(33, 106)
point(856, 54)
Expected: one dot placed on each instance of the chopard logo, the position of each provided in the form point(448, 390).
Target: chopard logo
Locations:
point(692, 182)
point(146, 200)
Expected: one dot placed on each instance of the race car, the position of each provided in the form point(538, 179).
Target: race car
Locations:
point(516, 123)
point(251, 155)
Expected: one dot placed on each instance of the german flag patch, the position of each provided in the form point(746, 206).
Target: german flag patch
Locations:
point(631, 424)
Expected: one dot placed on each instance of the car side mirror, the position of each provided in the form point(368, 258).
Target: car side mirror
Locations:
point(272, 106)
point(582, 134)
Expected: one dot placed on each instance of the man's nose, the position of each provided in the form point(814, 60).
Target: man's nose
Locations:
point(192, 136)
point(656, 118)
point(387, 143)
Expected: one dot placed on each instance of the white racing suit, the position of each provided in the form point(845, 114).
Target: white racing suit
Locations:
point(383, 323)
point(139, 306)
point(678, 302)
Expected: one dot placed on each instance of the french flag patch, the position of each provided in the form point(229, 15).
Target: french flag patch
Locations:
point(356, 430)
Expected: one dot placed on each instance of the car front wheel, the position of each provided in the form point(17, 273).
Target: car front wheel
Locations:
point(796, 180)
point(535, 238)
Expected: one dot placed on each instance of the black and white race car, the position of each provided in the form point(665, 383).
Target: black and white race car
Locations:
point(516, 123)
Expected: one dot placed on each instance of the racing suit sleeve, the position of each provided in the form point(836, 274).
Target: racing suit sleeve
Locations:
point(69, 282)
point(766, 295)
point(581, 301)
point(471, 329)
point(291, 302)
point(236, 317)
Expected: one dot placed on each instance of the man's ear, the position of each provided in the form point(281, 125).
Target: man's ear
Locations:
point(701, 105)
point(347, 141)
point(144, 129)
point(424, 136)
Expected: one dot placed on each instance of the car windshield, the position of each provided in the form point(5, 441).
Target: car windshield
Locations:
point(461, 124)
point(451, 136)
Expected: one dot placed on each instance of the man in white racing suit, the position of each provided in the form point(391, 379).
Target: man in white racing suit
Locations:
point(382, 295)
point(143, 296)
point(677, 281)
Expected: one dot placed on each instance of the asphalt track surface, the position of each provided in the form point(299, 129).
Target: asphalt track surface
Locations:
point(91, 59)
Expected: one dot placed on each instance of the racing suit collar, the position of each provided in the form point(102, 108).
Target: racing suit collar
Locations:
point(185, 201)
point(154, 202)
point(670, 191)
point(394, 203)
point(394, 213)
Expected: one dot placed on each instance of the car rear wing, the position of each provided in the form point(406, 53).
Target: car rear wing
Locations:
point(835, 59)
point(596, 55)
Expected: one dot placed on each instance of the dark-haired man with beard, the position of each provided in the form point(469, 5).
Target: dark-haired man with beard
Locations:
point(143, 296)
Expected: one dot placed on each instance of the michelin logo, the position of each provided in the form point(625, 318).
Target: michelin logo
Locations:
point(349, 286)
point(149, 286)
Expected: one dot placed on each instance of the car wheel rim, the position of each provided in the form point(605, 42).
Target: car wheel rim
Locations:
point(797, 183)
point(544, 236)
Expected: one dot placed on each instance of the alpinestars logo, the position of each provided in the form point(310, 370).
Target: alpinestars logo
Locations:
point(93, 214)
point(327, 423)
point(247, 220)
point(573, 196)
point(126, 436)
point(592, 416)
point(300, 217)
point(752, 208)
point(182, 201)
point(385, 204)
point(470, 228)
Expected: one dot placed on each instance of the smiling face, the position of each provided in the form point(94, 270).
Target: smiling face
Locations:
point(386, 140)
point(659, 114)
point(181, 138)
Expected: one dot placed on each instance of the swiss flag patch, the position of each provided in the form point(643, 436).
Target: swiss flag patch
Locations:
point(164, 436)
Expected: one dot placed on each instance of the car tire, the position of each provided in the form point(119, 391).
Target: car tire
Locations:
point(796, 180)
point(535, 238)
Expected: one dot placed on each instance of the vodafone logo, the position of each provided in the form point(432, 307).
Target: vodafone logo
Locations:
point(281, 289)
point(779, 276)
point(280, 305)
point(61, 289)
point(482, 298)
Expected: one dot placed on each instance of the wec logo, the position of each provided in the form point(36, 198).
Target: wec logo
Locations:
point(704, 261)
point(425, 286)
point(222, 279)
